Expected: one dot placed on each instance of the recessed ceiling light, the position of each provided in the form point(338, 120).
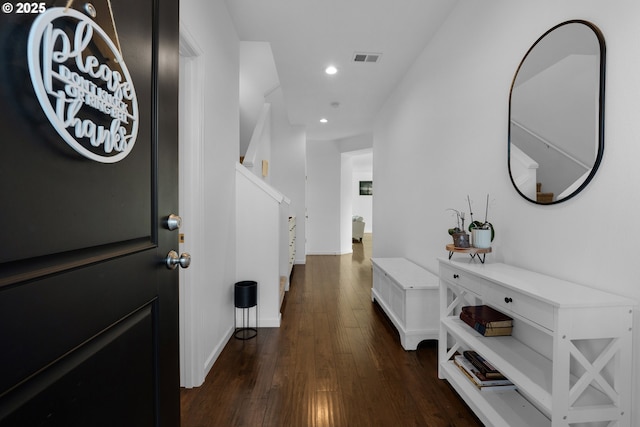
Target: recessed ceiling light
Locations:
point(323, 120)
point(331, 70)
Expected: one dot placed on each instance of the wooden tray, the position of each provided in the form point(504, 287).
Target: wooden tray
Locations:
point(473, 252)
point(470, 250)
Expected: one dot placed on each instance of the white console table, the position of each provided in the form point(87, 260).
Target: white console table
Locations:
point(409, 296)
point(569, 355)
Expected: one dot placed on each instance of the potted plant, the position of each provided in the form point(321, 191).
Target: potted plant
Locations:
point(460, 237)
point(482, 232)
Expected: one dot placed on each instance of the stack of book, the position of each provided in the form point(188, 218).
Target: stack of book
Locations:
point(486, 320)
point(482, 373)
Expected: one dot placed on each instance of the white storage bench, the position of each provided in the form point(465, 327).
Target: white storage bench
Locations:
point(409, 295)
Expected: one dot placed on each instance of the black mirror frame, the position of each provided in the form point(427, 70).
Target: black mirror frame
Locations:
point(601, 88)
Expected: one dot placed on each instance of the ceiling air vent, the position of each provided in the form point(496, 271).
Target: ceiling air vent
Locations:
point(366, 57)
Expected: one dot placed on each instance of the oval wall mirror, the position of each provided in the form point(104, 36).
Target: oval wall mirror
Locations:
point(556, 114)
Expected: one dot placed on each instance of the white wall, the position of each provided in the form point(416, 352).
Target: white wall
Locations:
point(443, 134)
point(323, 198)
point(210, 25)
point(288, 168)
point(357, 144)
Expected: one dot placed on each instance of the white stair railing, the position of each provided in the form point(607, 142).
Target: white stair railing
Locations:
point(551, 145)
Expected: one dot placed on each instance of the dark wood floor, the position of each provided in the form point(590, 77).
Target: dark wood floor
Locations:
point(335, 361)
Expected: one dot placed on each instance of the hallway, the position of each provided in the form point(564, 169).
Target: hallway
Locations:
point(335, 361)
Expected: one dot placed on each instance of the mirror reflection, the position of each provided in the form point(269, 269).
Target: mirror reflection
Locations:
point(556, 113)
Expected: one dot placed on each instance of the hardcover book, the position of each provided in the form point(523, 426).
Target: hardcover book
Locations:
point(482, 365)
point(486, 320)
point(475, 375)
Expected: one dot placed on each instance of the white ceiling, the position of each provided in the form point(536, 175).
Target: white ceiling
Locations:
point(308, 35)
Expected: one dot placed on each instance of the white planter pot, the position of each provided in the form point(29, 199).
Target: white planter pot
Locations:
point(481, 238)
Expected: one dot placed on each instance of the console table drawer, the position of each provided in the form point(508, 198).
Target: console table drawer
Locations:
point(502, 298)
point(515, 303)
point(475, 285)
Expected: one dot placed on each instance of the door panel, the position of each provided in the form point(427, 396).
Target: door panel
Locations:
point(90, 386)
point(88, 310)
point(76, 305)
point(49, 198)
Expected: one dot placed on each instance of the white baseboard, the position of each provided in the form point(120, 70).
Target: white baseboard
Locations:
point(211, 359)
point(269, 322)
point(330, 253)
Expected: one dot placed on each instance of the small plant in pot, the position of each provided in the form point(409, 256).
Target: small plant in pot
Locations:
point(460, 237)
point(482, 232)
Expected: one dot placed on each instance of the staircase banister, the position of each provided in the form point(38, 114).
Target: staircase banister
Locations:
point(246, 173)
point(550, 144)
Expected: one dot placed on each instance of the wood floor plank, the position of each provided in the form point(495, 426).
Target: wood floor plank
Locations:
point(329, 409)
point(335, 361)
point(250, 412)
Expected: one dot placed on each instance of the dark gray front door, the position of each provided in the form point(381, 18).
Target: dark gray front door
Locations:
point(88, 309)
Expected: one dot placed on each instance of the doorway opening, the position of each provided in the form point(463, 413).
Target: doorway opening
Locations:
point(357, 198)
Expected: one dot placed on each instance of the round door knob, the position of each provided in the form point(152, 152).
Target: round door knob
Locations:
point(173, 260)
point(173, 222)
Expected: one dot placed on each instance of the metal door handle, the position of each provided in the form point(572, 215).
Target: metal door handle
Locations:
point(173, 260)
point(173, 222)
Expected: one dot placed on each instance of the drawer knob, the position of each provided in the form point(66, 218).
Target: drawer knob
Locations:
point(455, 276)
point(507, 300)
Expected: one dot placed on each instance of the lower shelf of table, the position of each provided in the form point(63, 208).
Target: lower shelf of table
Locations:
point(522, 364)
point(494, 408)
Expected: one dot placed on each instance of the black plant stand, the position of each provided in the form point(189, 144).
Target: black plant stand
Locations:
point(246, 297)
